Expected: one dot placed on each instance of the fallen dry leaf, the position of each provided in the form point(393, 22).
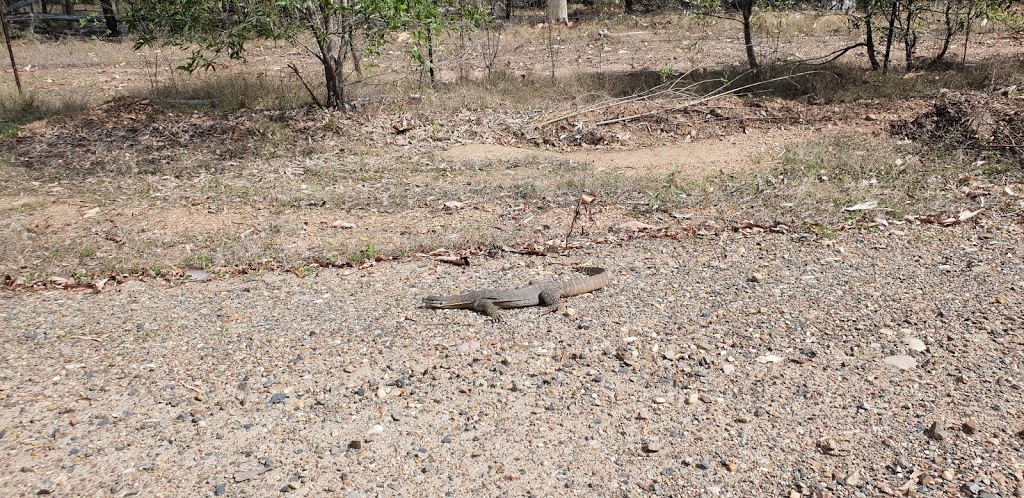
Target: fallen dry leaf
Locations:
point(863, 206)
point(91, 212)
point(634, 225)
point(769, 358)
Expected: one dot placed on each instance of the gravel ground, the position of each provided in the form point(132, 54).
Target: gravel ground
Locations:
point(737, 364)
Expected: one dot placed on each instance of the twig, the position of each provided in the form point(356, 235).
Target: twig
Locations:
point(193, 388)
point(708, 97)
point(302, 80)
point(582, 205)
point(87, 338)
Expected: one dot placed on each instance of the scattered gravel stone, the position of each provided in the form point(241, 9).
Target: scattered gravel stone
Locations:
point(969, 426)
point(971, 488)
point(220, 489)
point(704, 464)
point(652, 446)
point(278, 398)
point(916, 345)
point(937, 431)
point(46, 487)
point(901, 361)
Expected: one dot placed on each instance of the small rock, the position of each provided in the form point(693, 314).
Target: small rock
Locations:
point(220, 489)
point(692, 398)
point(970, 426)
point(355, 444)
point(660, 400)
point(652, 446)
point(643, 414)
point(756, 277)
point(947, 475)
point(854, 479)
point(937, 431)
point(972, 488)
point(46, 487)
point(446, 439)
point(728, 369)
point(278, 398)
point(704, 464)
point(900, 361)
point(670, 354)
point(915, 344)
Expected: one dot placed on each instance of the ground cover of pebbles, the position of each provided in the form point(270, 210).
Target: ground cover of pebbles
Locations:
point(731, 365)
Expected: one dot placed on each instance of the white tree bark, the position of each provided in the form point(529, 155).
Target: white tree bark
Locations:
point(558, 11)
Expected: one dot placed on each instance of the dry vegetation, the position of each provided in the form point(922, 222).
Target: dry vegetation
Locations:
point(232, 170)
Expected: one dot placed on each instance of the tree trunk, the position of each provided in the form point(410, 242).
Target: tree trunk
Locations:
point(951, 31)
point(109, 18)
point(508, 9)
point(909, 36)
point(629, 6)
point(888, 39)
point(869, 41)
point(558, 11)
point(747, 10)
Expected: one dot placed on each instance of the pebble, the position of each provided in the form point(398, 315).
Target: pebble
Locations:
point(914, 344)
point(220, 489)
point(937, 431)
point(46, 487)
point(972, 488)
point(692, 398)
point(728, 369)
point(278, 398)
point(704, 464)
point(969, 426)
point(652, 446)
point(901, 361)
point(947, 475)
point(446, 439)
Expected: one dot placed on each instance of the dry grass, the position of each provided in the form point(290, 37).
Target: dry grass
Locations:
point(812, 183)
point(228, 92)
point(18, 110)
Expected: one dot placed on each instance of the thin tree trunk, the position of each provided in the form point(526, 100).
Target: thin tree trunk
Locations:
point(10, 51)
point(508, 9)
point(430, 54)
point(629, 6)
point(967, 32)
point(747, 10)
point(888, 38)
point(951, 30)
point(909, 37)
point(109, 18)
point(870, 43)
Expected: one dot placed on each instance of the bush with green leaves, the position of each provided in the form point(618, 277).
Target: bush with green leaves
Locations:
point(335, 28)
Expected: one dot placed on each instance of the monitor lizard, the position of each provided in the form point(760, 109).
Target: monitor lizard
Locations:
point(538, 293)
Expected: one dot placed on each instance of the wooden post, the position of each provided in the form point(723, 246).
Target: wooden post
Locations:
point(10, 51)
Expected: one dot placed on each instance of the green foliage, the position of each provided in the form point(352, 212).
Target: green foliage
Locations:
point(211, 29)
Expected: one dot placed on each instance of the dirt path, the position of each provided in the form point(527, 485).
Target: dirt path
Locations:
point(733, 365)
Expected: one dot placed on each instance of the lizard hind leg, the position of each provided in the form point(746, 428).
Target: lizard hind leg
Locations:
point(550, 299)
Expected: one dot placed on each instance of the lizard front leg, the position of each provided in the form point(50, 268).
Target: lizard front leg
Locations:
point(487, 307)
